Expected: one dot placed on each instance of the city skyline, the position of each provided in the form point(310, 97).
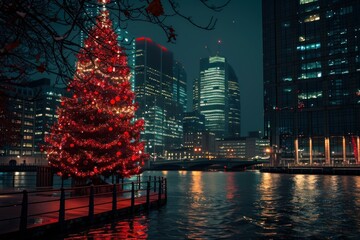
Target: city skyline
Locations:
point(94, 157)
point(243, 51)
point(168, 92)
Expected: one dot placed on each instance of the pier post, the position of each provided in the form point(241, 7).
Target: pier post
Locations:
point(148, 195)
point(62, 209)
point(24, 212)
point(114, 200)
point(132, 197)
point(91, 204)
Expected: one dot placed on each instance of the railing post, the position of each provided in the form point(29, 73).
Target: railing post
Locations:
point(159, 193)
point(148, 195)
point(62, 209)
point(132, 197)
point(154, 183)
point(122, 183)
point(91, 204)
point(24, 212)
point(114, 200)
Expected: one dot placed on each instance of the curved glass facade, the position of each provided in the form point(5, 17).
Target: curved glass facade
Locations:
point(219, 97)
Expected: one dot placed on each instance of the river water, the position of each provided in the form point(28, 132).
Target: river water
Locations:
point(245, 205)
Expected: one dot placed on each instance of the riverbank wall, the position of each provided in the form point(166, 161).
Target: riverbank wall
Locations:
point(328, 170)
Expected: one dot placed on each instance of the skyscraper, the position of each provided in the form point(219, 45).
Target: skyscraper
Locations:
point(196, 95)
point(91, 10)
point(311, 79)
point(234, 106)
point(154, 93)
point(127, 42)
point(218, 97)
point(180, 85)
point(32, 110)
point(46, 102)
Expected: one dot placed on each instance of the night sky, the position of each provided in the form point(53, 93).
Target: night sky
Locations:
point(239, 28)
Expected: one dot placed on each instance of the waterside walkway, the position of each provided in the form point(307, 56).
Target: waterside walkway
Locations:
point(37, 214)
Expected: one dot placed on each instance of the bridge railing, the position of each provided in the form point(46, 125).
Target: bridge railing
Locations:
point(20, 211)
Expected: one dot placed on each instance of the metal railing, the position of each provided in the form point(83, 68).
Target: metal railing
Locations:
point(20, 211)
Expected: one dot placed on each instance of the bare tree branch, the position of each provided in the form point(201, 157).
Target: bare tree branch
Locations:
point(42, 37)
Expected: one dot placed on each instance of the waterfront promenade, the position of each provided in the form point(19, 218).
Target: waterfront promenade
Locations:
point(29, 214)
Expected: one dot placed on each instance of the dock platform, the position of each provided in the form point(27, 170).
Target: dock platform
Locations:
point(41, 213)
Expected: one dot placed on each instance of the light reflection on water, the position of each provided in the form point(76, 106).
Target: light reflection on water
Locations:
point(17, 180)
point(135, 228)
point(245, 205)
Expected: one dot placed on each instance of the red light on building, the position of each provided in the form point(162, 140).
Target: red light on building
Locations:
point(150, 40)
point(143, 39)
point(162, 47)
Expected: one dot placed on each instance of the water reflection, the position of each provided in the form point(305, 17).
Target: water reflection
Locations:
point(196, 194)
point(135, 228)
point(247, 205)
point(196, 186)
point(230, 186)
point(306, 205)
point(17, 180)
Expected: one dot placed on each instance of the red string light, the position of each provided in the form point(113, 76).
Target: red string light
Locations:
point(105, 135)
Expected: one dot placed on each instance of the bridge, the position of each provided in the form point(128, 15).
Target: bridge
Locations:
point(227, 164)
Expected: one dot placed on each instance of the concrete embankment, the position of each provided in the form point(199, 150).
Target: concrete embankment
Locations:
point(313, 170)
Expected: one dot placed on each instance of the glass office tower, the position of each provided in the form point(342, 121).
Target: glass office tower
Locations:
point(32, 111)
point(180, 85)
point(217, 96)
point(312, 80)
point(154, 94)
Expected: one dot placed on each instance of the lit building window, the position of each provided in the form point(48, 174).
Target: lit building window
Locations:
point(312, 18)
point(307, 1)
point(309, 47)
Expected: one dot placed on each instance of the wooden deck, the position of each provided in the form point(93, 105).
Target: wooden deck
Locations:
point(24, 215)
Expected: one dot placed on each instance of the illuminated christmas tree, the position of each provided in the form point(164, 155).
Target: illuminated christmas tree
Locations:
point(95, 133)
